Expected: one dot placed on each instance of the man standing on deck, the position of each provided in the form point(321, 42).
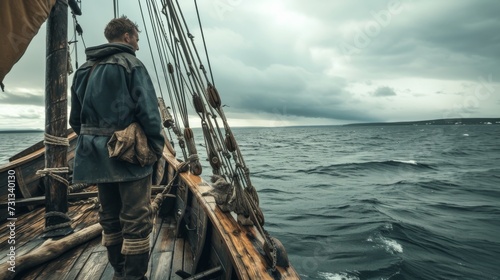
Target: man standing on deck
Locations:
point(109, 92)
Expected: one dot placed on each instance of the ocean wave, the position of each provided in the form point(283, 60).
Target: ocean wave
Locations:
point(436, 185)
point(275, 191)
point(389, 245)
point(273, 176)
point(455, 152)
point(487, 209)
point(336, 169)
point(307, 216)
point(337, 276)
point(369, 201)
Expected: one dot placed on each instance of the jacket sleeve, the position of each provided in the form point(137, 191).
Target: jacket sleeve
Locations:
point(76, 109)
point(146, 111)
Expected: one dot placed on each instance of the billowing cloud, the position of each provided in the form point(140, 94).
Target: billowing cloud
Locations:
point(329, 61)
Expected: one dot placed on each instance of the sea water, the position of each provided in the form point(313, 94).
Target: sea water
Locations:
point(373, 202)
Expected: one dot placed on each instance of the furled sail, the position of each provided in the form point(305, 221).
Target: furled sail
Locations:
point(20, 21)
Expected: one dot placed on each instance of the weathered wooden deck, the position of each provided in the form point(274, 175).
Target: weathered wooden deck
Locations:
point(214, 241)
point(89, 260)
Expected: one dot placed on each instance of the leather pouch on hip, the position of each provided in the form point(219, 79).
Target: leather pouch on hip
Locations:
point(131, 145)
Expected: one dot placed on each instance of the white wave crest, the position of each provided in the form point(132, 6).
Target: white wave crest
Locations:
point(391, 246)
point(414, 162)
point(337, 276)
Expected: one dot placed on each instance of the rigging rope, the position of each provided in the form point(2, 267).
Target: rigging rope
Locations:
point(204, 43)
point(178, 58)
point(116, 8)
point(150, 49)
point(182, 54)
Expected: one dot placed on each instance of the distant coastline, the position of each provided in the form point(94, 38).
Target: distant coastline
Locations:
point(454, 121)
point(457, 121)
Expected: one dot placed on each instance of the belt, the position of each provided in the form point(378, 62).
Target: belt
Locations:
point(99, 131)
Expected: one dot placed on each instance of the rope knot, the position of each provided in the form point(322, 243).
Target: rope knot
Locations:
point(52, 172)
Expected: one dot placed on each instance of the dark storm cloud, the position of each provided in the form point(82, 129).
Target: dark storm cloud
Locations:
point(287, 90)
point(430, 39)
point(384, 91)
point(319, 59)
point(437, 40)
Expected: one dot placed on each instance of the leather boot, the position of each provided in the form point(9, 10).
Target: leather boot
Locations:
point(117, 260)
point(136, 266)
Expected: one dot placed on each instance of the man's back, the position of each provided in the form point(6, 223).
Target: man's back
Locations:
point(109, 92)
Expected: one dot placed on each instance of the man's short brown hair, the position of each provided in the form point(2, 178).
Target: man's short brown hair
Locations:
point(119, 26)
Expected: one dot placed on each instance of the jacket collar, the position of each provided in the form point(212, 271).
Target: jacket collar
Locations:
point(105, 50)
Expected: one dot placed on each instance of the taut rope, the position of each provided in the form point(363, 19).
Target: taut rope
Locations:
point(184, 74)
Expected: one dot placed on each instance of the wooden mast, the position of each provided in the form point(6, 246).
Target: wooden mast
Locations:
point(56, 104)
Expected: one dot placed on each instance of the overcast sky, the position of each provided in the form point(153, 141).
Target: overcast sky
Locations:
point(295, 62)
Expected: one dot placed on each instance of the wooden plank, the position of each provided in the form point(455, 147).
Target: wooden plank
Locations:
point(162, 252)
point(30, 226)
point(22, 248)
point(81, 260)
point(246, 258)
point(22, 222)
point(243, 246)
point(219, 255)
point(199, 223)
point(160, 262)
point(181, 204)
point(22, 186)
point(35, 147)
point(94, 267)
point(32, 273)
point(20, 161)
point(188, 264)
point(178, 258)
point(59, 267)
point(108, 272)
point(165, 241)
point(160, 265)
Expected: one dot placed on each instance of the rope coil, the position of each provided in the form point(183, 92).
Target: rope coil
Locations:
point(91, 200)
point(78, 187)
point(55, 140)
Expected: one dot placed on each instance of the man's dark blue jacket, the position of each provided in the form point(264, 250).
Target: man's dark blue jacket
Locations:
point(106, 98)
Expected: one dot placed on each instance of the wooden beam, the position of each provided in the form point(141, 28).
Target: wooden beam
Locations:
point(56, 112)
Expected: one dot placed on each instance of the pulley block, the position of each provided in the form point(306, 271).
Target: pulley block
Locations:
point(213, 97)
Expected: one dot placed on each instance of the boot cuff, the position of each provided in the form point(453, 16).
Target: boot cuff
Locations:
point(135, 246)
point(109, 239)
